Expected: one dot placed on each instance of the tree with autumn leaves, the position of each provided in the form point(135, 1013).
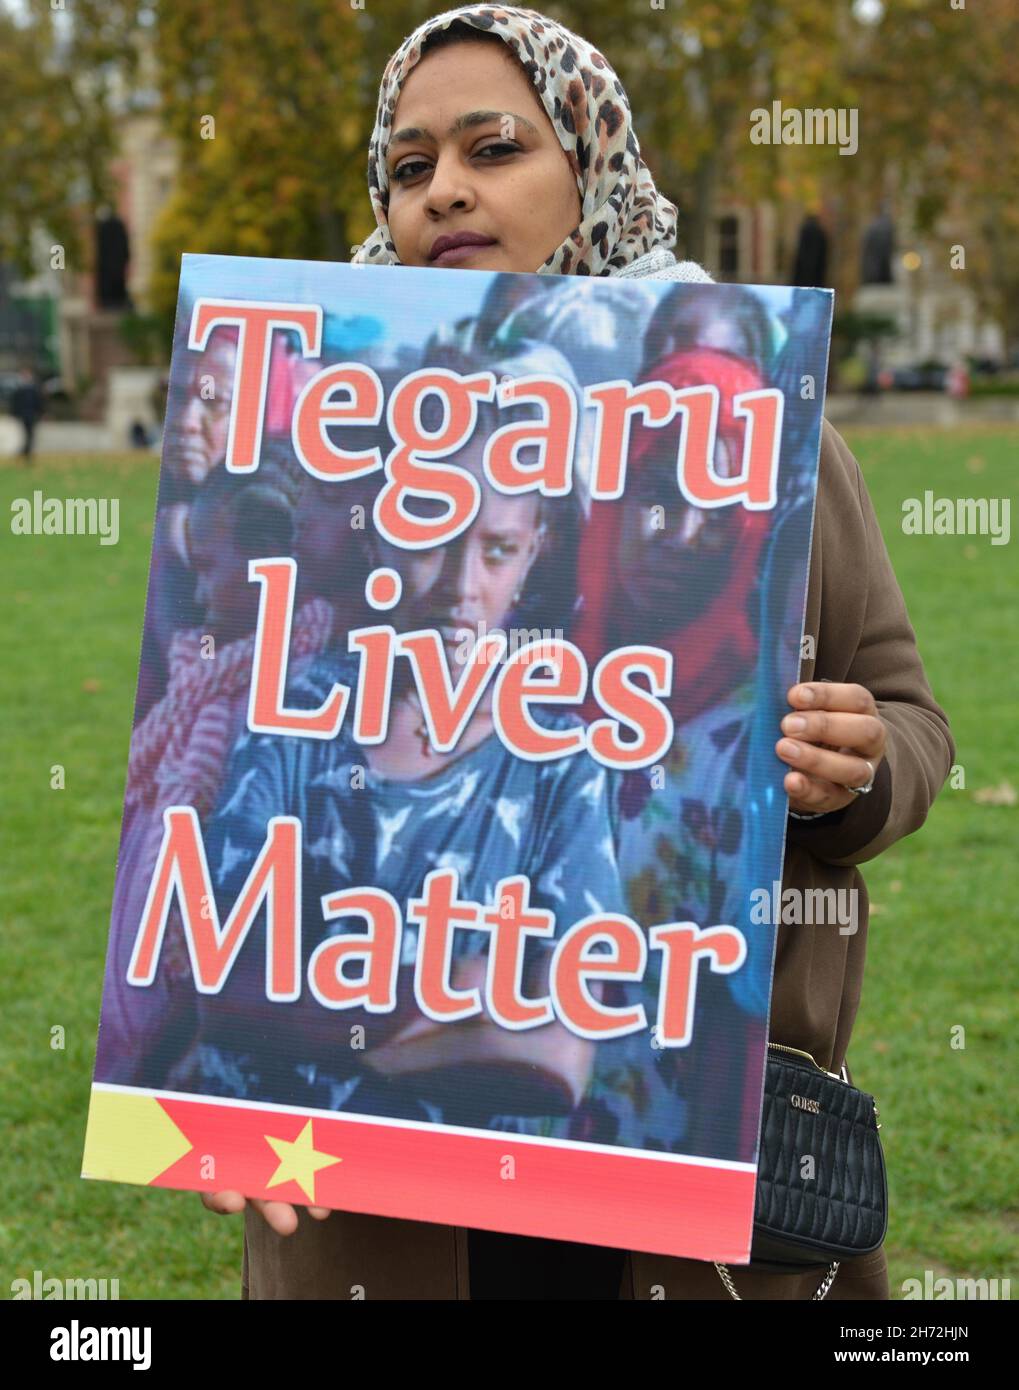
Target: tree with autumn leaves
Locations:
point(62, 76)
point(293, 94)
point(272, 106)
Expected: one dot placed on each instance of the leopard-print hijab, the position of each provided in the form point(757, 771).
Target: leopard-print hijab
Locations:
point(623, 214)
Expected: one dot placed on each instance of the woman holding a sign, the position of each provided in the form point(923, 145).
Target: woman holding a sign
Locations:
point(503, 142)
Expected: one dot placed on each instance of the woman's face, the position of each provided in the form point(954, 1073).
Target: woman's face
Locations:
point(667, 547)
point(473, 150)
point(206, 419)
point(468, 585)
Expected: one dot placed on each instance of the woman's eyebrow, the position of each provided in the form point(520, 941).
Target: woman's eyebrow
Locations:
point(506, 533)
point(469, 118)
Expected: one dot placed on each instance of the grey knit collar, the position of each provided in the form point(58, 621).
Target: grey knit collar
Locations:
point(660, 259)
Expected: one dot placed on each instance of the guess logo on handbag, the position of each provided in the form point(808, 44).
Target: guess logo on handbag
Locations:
point(805, 1103)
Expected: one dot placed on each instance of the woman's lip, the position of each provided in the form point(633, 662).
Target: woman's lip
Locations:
point(460, 253)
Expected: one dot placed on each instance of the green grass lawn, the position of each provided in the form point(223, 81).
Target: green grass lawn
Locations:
point(942, 938)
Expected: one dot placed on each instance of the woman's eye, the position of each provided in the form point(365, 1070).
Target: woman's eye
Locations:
point(403, 174)
point(501, 147)
point(400, 174)
point(498, 551)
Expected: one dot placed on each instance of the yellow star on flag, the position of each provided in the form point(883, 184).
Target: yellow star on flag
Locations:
point(299, 1161)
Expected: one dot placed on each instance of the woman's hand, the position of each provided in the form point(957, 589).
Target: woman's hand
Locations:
point(833, 733)
point(280, 1216)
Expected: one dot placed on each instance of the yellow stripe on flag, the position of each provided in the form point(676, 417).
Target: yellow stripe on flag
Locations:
point(129, 1138)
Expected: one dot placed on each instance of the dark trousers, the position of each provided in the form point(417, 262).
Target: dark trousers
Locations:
point(353, 1256)
point(508, 1267)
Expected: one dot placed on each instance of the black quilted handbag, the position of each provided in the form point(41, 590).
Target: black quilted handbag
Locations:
point(841, 1209)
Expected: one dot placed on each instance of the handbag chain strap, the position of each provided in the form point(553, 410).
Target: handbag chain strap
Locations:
point(820, 1292)
point(822, 1289)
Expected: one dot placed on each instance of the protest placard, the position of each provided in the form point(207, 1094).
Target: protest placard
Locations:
point(473, 605)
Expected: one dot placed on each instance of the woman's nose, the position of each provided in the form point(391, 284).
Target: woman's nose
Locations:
point(462, 574)
point(449, 187)
point(193, 416)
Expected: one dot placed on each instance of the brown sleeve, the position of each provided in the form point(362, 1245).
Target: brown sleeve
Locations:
point(865, 637)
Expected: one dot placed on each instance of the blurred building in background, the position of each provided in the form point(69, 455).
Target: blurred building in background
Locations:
point(109, 342)
point(937, 315)
point(906, 310)
point(909, 288)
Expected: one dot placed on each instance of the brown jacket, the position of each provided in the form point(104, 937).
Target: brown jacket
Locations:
point(856, 613)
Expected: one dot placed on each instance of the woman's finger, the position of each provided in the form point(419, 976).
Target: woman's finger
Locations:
point(280, 1216)
point(844, 769)
point(832, 695)
point(814, 794)
point(859, 733)
point(224, 1203)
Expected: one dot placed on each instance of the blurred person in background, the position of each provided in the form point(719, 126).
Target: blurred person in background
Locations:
point(27, 407)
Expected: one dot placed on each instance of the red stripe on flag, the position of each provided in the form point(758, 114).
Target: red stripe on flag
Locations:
point(602, 1197)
